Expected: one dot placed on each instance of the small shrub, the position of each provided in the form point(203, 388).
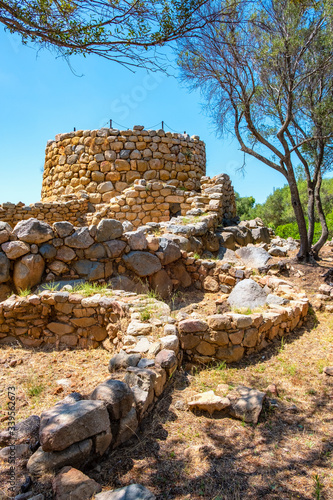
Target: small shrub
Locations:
point(145, 315)
point(24, 293)
point(196, 256)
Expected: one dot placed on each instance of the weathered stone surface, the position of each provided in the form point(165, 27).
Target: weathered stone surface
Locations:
point(142, 263)
point(136, 240)
point(63, 229)
point(127, 427)
point(253, 257)
point(167, 359)
point(141, 377)
point(131, 492)
point(170, 342)
point(218, 322)
point(96, 251)
point(246, 404)
point(189, 341)
point(228, 256)
point(241, 320)
point(208, 401)
point(143, 399)
point(117, 395)
point(27, 430)
point(139, 328)
point(275, 299)
point(192, 326)
point(162, 284)
point(75, 455)
point(230, 354)
point(28, 271)
point(178, 272)
point(15, 249)
point(65, 424)
point(122, 361)
point(227, 240)
point(114, 248)
point(60, 328)
point(248, 294)
point(260, 235)
point(47, 251)
point(5, 232)
point(89, 270)
point(65, 254)
point(79, 239)
point(206, 348)
point(33, 231)
point(278, 251)
point(125, 283)
point(72, 484)
point(4, 268)
point(210, 284)
point(109, 229)
point(170, 251)
point(328, 370)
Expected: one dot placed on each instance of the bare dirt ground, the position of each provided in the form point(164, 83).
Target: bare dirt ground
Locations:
point(179, 454)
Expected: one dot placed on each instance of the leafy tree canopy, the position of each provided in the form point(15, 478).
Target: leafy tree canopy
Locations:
point(118, 30)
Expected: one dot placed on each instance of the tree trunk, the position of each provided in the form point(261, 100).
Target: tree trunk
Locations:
point(303, 253)
point(311, 213)
point(324, 229)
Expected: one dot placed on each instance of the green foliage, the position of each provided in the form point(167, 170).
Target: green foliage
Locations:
point(244, 206)
point(114, 29)
point(24, 293)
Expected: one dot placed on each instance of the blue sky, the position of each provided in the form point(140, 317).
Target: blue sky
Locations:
point(41, 95)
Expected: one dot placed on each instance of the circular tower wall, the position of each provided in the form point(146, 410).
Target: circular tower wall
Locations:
point(105, 162)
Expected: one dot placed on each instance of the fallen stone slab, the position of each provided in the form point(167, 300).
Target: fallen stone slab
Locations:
point(246, 404)
point(72, 484)
point(68, 423)
point(208, 401)
point(131, 492)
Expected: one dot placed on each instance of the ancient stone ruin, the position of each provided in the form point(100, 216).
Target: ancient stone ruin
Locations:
point(134, 211)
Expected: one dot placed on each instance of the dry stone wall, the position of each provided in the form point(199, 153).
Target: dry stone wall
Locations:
point(73, 210)
point(107, 161)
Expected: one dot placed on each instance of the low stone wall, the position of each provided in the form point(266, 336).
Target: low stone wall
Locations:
point(73, 210)
point(105, 162)
point(231, 336)
point(54, 318)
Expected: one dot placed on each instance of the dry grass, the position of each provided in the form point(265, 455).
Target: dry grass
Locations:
point(182, 455)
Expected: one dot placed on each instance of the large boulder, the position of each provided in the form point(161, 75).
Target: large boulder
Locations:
point(131, 492)
point(75, 455)
point(169, 251)
point(260, 235)
point(117, 395)
point(79, 239)
point(247, 294)
point(136, 240)
point(114, 248)
point(162, 284)
point(33, 231)
point(142, 263)
point(253, 257)
point(63, 229)
point(4, 268)
point(124, 283)
point(67, 423)
point(15, 249)
point(28, 271)
point(89, 270)
point(109, 229)
point(5, 232)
